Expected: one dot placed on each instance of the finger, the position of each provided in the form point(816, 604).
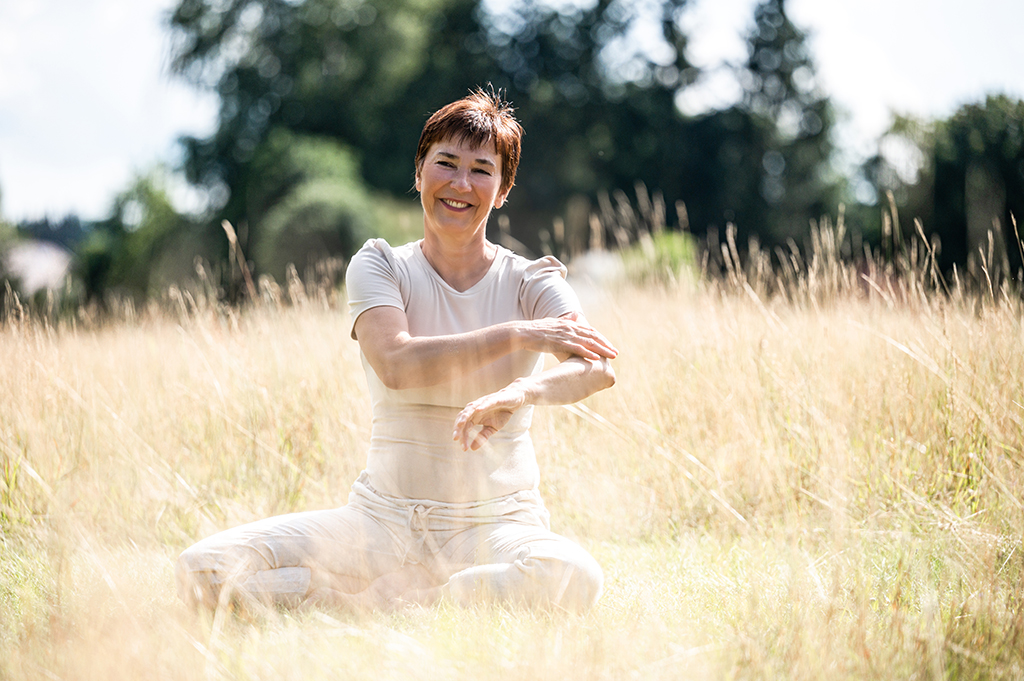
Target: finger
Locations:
point(601, 345)
point(581, 351)
point(464, 435)
point(601, 349)
point(460, 433)
point(595, 336)
point(582, 334)
point(465, 438)
point(591, 350)
point(482, 437)
point(463, 418)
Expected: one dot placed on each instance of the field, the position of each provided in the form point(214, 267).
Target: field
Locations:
point(821, 482)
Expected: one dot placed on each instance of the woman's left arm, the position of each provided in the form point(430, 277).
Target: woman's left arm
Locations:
point(571, 380)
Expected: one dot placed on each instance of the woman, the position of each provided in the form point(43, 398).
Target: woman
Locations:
point(452, 330)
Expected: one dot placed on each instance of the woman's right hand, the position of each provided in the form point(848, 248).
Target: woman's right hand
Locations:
point(569, 334)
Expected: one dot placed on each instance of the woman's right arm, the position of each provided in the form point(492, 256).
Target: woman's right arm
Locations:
point(402, 360)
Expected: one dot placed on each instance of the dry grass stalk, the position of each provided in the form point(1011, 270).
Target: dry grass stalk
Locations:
point(801, 473)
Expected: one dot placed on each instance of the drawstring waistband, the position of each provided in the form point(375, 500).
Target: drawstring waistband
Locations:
point(463, 510)
point(419, 528)
point(419, 514)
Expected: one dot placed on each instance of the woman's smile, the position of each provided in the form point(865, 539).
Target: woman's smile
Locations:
point(459, 184)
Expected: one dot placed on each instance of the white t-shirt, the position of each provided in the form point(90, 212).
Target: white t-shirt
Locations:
point(412, 454)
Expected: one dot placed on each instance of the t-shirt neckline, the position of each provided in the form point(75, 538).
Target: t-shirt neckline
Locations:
point(491, 269)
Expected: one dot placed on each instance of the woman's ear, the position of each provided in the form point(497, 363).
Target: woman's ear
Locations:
point(419, 172)
point(500, 200)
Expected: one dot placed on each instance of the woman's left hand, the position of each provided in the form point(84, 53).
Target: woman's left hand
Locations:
point(484, 417)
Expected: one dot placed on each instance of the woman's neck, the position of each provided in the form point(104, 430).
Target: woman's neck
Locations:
point(460, 265)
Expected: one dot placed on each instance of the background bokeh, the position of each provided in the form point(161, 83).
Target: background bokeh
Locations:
point(762, 123)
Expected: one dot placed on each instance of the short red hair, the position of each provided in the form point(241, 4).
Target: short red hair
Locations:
point(481, 117)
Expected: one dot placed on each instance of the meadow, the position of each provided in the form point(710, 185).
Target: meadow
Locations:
point(815, 474)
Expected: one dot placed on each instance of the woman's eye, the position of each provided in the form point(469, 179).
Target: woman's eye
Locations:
point(481, 170)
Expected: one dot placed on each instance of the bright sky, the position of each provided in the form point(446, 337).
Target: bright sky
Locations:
point(86, 102)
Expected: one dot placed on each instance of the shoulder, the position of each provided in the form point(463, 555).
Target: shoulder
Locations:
point(548, 266)
point(541, 285)
point(526, 269)
point(375, 273)
point(378, 275)
point(380, 249)
point(373, 251)
point(378, 256)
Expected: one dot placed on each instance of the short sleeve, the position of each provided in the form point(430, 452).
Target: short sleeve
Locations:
point(371, 280)
point(545, 292)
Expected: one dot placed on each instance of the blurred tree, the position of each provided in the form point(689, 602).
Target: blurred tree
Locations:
point(306, 199)
point(144, 246)
point(979, 183)
point(787, 144)
point(367, 74)
point(902, 169)
point(595, 85)
point(595, 89)
point(8, 233)
point(963, 177)
point(8, 236)
point(67, 232)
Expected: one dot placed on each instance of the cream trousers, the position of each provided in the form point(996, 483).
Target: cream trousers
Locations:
point(500, 550)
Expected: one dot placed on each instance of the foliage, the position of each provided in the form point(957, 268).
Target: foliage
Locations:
point(957, 176)
point(8, 234)
point(67, 232)
point(790, 143)
point(143, 247)
point(597, 101)
point(663, 257)
point(599, 110)
point(981, 144)
point(8, 237)
point(348, 84)
point(368, 75)
point(322, 68)
point(307, 200)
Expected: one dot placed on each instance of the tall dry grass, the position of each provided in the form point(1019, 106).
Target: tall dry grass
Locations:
point(809, 474)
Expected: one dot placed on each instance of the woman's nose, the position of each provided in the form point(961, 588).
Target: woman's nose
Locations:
point(461, 181)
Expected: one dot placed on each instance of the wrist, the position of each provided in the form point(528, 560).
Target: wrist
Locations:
point(517, 333)
point(522, 390)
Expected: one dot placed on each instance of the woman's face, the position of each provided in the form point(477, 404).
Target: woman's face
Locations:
point(459, 184)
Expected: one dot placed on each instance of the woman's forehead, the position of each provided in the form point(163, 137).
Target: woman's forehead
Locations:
point(465, 147)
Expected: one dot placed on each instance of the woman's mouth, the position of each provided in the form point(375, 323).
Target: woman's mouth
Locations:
point(456, 205)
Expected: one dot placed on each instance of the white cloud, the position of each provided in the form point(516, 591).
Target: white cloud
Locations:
point(85, 102)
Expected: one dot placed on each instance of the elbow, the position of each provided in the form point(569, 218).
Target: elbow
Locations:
point(609, 375)
point(605, 373)
point(393, 380)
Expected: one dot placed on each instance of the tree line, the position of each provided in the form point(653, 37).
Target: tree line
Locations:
point(322, 102)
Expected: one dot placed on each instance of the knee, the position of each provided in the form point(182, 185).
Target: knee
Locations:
point(580, 584)
point(570, 581)
point(197, 579)
point(203, 569)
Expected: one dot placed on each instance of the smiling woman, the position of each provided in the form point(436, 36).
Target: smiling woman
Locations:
point(459, 184)
point(451, 329)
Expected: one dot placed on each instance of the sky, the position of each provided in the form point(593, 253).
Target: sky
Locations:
point(87, 102)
